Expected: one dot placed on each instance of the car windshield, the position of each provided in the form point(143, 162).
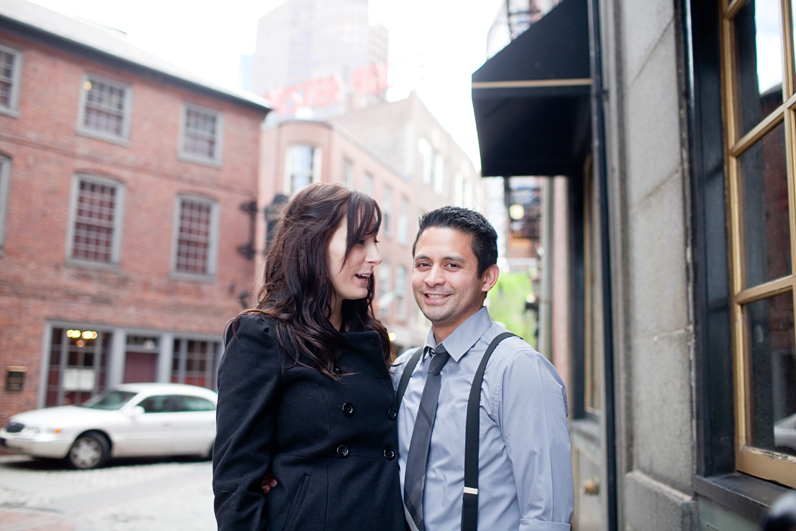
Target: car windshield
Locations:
point(113, 399)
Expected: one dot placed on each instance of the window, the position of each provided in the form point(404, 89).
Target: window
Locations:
point(5, 183)
point(196, 236)
point(439, 173)
point(403, 221)
point(385, 289)
point(386, 212)
point(400, 291)
point(367, 186)
point(95, 230)
point(348, 173)
point(105, 109)
point(426, 153)
point(77, 365)
point(195, 362)
point(10, 68)
point(201, 134)
point(302, 167)
point(760, 114)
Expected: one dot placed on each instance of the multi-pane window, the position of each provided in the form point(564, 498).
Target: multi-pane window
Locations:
point(196, 236)
point(105, 108)
point(194, 362)
point(201, 134)
point(5, 182)
point(400, 291)
point(386, 212)
point(348, 173)
point(426, 153)
point(367, 184)
point(760, 102)
point(403, 221)
point(385, 289)
point(96, 223)
point(302, 167)
point(77, 364)
point(10, 68)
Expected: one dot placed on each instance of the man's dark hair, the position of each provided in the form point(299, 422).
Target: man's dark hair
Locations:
point(483, 238)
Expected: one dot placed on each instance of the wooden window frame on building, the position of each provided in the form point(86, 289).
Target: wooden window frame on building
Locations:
point(13, 82)
point(216, 139)
point(5, 186)
point(368, 184)
point(316, 153)
point(59, 350)
point(182, 358)
point(403, 221)
point(386, 212)
point(89, 81)
point(426, 153)
point(116, 225)
point(348, 172)
point(211, 262)
point(746, 291)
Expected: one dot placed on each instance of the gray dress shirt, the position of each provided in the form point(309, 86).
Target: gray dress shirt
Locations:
point(525, 481)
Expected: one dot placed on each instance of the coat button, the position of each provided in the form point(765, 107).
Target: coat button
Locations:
point(392, 414)
point(389, 455)
point(343, 450)
point(336, 370)
point(348, 409)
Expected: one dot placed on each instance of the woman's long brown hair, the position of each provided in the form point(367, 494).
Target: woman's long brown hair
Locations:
point(297, 289)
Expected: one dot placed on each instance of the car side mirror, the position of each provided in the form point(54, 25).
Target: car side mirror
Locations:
point(137, 411)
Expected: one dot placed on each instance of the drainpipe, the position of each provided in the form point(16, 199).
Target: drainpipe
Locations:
point(599, 151)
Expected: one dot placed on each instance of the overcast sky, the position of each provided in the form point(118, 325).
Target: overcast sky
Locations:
point(448, 37)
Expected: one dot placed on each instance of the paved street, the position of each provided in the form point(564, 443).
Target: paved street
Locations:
point(130, 495)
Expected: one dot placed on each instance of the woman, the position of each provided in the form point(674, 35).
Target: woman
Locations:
point(304, 391)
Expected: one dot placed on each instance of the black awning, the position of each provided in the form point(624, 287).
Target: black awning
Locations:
point(531, 99)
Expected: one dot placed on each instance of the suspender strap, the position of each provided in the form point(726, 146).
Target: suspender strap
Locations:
point(409, 368)
point(471, 442)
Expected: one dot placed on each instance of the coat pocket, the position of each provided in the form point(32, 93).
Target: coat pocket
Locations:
point(298, 502)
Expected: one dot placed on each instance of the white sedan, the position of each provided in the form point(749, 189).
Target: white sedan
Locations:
point(130, 420)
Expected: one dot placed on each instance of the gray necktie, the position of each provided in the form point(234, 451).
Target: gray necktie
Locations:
point(415, 479)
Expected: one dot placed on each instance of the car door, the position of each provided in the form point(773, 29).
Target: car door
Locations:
point(151, 432)
point(194, 425)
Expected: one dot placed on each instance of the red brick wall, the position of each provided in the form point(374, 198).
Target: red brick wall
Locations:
point(37, 283)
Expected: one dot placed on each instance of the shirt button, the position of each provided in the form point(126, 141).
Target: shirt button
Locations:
point(348, 409)
point(392, 414)
point(389, 455)
point(336, 370)
point(343, 450)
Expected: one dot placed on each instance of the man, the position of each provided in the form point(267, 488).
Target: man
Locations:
point(525, 471)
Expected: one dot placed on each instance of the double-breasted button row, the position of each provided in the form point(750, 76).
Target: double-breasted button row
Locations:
point(348, 409)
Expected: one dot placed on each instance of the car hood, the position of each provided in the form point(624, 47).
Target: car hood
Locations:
point(62, 416)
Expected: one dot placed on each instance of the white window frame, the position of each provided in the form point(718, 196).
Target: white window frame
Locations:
point(439, 173)
point(217, 158)
point(118, 221)
point(368, 183)
point(385, 289)
point(401, 275)
point(317, 160)
point(12, 109)
point(348, 172)
point(403, 221)
point(5, 185)
point(426, 153)
point(128, 106)
point(212, 248)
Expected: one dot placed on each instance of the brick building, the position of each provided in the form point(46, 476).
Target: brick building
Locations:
point(121, 185)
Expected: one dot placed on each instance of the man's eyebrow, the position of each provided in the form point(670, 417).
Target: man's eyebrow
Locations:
point(452, 258)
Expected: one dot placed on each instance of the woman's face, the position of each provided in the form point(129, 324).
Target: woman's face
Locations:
point(350, 279)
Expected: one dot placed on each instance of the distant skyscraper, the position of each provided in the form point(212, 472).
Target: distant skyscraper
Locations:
point(321, 55)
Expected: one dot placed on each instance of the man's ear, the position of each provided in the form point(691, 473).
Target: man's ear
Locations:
point(489, 278)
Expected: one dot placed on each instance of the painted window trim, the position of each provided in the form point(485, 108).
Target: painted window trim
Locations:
point(16, 79)
point(124, 139)
point(212, 251)
point(118, 223)
point(218, 158)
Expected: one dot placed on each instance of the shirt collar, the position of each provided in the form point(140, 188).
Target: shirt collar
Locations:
point(464, 337)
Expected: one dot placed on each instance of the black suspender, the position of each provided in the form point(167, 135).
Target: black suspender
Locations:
point(472, 430)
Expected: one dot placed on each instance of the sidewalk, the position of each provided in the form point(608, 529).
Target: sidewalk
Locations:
point(28, 520)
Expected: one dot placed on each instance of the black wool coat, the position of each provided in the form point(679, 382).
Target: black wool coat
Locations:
point(330, 444)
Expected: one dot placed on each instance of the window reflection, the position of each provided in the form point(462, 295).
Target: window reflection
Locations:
point(773, 373)
point(764, 204)
point(758, 58)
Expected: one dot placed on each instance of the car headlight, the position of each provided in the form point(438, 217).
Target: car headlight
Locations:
point(41, 430)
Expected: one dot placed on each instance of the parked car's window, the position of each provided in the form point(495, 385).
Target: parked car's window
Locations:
point(160, 404)
point(109, 400)
point(196, 403)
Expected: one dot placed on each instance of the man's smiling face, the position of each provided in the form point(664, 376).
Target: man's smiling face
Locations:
point(445, 279)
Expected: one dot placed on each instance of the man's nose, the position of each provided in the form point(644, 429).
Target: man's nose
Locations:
point(434, 276)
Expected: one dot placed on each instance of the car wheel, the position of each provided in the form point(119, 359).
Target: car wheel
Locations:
point(90, 450)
